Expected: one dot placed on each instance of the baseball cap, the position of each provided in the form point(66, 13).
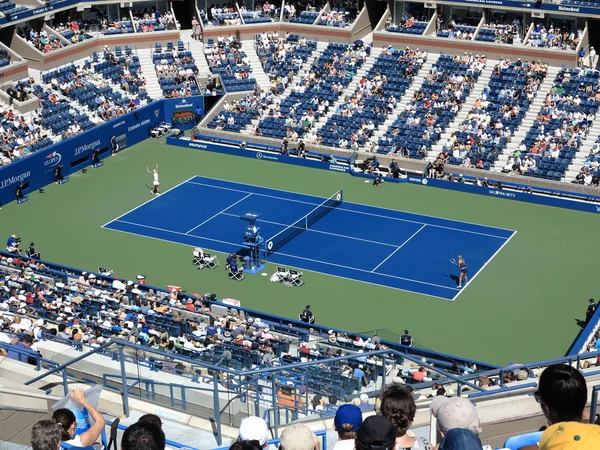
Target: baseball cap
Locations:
point(297, 437)
point(570, 436)
point(457, 412)
point(348, 415)
point(254, 428)
point(376, 431)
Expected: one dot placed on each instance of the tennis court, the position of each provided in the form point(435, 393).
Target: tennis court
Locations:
point(385, 247)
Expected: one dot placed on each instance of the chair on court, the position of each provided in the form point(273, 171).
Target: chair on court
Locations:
point(281, 276)
point(295, 278)
point(203, 260)
point(236, 273)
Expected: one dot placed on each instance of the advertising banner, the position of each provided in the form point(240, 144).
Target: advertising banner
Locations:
point(180, 112)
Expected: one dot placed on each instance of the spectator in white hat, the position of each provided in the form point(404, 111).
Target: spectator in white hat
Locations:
point(254, 428)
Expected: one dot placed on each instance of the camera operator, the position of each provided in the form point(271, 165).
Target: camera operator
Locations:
point(393, 169)
point(32, 253)
point(12, 244)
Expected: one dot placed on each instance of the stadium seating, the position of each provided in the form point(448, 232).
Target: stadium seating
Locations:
point(306, 17)
point(282, 59)
point(464, 32)
point(504, 34)
point(496, 114)
point(336, 17)
point(554, 37)
point(336, 67)
point(375, 97)
point(123, 69)
point(4, 58)
point(8, 8)
point(413, 28)
point(432, 108)
point(255, 17)
point(562, 124)
point(176, 70)
point(230, 62)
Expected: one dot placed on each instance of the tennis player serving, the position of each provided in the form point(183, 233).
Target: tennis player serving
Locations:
point(155, 183)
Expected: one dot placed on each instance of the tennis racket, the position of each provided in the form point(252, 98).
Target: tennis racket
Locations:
point(453, 261)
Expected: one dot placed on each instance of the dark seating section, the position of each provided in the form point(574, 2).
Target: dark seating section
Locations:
point(415, 28)
point(4, 57)
point(278, 66)
point(553, 141)
point(395, 70)
point(432, 108)
point(8, 8)
point(507, 94)
point(300, 107)
point(307, 17)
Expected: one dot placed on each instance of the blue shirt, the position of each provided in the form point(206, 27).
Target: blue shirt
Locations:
point(358, 373)
point(17, 355)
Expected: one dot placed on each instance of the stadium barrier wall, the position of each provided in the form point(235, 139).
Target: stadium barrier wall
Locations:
point(263, 153)
point(551, 199)
point(37, 170)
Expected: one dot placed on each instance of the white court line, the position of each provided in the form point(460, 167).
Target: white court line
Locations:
point(145, 236)
point(146, 202)
point(340, 208)
point(483, 267)
point(220, 212)
point(362, 204)
point(290, 256)
point(403, 244)
point(319, 231)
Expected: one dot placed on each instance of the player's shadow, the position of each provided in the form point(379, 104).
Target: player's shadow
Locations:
point(580, 323)
point(453, 278)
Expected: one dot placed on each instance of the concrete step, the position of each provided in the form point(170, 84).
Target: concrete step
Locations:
point(152, 85)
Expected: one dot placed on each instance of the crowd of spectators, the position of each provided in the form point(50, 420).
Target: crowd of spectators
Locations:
point(154, 21)
point(228, 59)
point(497, 111)
point(41, 40)
point(221, 15)
point(454, 30)
point(315, 91)
point(72, 31)
point(177, 73)
point(335, 18)
point(554, 36)
point(19, 136)
point(282, 57)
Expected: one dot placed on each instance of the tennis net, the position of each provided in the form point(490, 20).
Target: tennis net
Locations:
point(283, 237)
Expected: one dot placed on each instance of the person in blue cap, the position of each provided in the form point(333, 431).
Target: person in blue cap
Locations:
point(348, 419)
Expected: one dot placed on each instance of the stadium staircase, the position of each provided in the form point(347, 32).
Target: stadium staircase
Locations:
point(583, 152)
point(152, 86)
point(258, 73)
point(407, 97)
point(483, 81)
point(197, 49)
point(528, 120)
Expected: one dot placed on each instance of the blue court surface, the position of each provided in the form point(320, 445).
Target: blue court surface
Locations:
point(385, 247)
